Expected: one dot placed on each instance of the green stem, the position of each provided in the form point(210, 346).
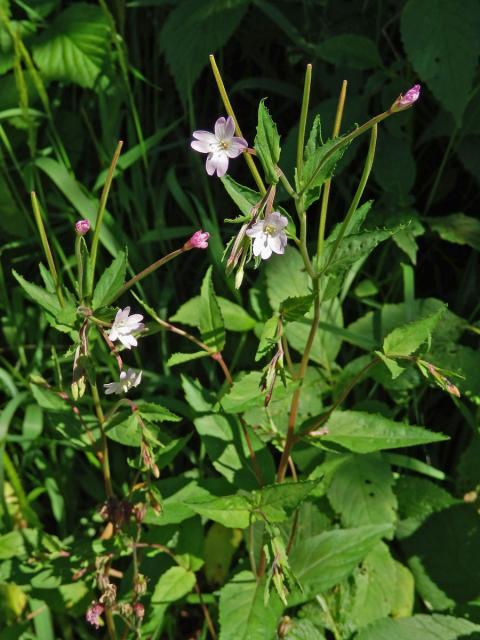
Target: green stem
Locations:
point(223, 94)
point(99, 220)
point(107, 479)
point(146, 272)
point(78, 256)
point(303, 118)
point(358, 194)
point(326, 186)
point(46, 247)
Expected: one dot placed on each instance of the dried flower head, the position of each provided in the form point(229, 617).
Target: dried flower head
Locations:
point(93, 614)
point(220, 146)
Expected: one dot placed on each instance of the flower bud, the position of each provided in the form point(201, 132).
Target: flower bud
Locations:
point(404, 101)
point(199, 240)
point(93, 614)
point(82, 227)
point(139, 610)
point(140, 584)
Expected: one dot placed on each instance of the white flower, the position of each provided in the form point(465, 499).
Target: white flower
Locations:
point(220, 145)
point(269, 235)
point(128, 379)
point(124, 325)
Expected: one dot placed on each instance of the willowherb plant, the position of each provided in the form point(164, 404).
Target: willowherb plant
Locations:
point(258, 490)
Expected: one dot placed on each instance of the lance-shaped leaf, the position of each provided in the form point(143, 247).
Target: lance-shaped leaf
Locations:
point(406, 339)
point(231, 511)
point(434, 627)
point(243, 197)
point(211, 319)
point(276, 502)
point(294, 308)
point(267, 143)
point(110, 281)
point(41, 296)
point(367, 432)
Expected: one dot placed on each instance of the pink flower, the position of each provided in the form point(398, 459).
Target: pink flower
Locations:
point(199, 240)
point(82, 227)
point(404, 101)
point(93, 614)
point(220, 146)
point(139, 610)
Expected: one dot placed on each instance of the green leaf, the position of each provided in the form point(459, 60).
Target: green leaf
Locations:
point(276, 502)
point(319, 167)
point(74, 47)
point(457, 228)
point(180, 358)
point(174, 584)
point(231, 511)
point(243, 394)
point(330, 557)
point(110, 281)
point(392, 365)
point(154, 412)
point(441, 41)
point(434, 627)
point(405, 340)
point(268, 338)
point(243, 614)
point(197, 28)
point(361, 491)
point(235, 317)
point(243, 197)
point(350, 50)
point(295, 308)
point(41, 296)
point(367, 432)
point(211, 320)
point(220, 545)
point(126, 431)
point(286, 278)
point(373, 587)
point(403, 597)
point(267, 143)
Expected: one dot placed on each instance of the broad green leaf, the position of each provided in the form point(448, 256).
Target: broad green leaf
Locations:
point(227, 449)
point(180, 358)
point(199, 398)
point(403, 597)
point(231, 511)
point(12, 545)
point(457, 228)
point(110, 281)
point(331, 556)
point(373, 587)
point(352, 248)
point(175, 493)
point(286, 277)
point(243, 614)
point(126, 431)
point(351, 51)
point(174, 584)
point(211, 320)
point(403, 341)
point(74, 46)
point(267, 143)
point(278, 501)
point(243, 197)
point(235, 317)
point(392, 365)
point(361, 491)
point(367, 432)
point(441, 41)
point(12, 602)
point(293, 309)
point(48, 399)
point(243, 394)
point(424, 627)
point(220, 545)
point(154, 412)
point(41, 296)
point(197, 28)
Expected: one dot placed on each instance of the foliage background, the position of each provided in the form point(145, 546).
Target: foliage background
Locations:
point(77, 77)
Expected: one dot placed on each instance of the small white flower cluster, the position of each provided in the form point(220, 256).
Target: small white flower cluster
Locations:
point(122, 330)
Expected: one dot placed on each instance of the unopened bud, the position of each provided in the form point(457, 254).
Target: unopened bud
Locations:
point(82, 227)
point(139, 610)
point(199, 240)
point(404, 101)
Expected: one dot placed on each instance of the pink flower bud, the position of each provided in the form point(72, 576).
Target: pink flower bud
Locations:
point(93, 614)
point(404, 101)
point(82, 227)
point(199, 240)
point(139, 610)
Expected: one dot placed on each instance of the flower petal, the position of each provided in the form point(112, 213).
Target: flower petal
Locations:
point(237, 146)
point(229, 127)
point(201, 146)
point(210, 164)
point(276, 244)
point(204, 136)
point(258, 245)
point(220, 128)
point(266, 250)
point(217, 162)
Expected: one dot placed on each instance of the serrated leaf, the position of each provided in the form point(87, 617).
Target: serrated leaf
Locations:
point(243, 614)
point(330, 557)
point(211, 321)
point(231, 511)
point(180, 358)
point(276, 502)
point(173, 585)
point(126, 431)
point(434, 627)
point(197, 28)
point(154, 412)
point(74, 47)
point(403, 341)
point(319, 167)
point(267, 143)
point(361, 491)
point(41, 296)
point(293, 309)
point(243, 197)
point(110, 281)
point(441, 41)
point(367, 432)
point(392, 365)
